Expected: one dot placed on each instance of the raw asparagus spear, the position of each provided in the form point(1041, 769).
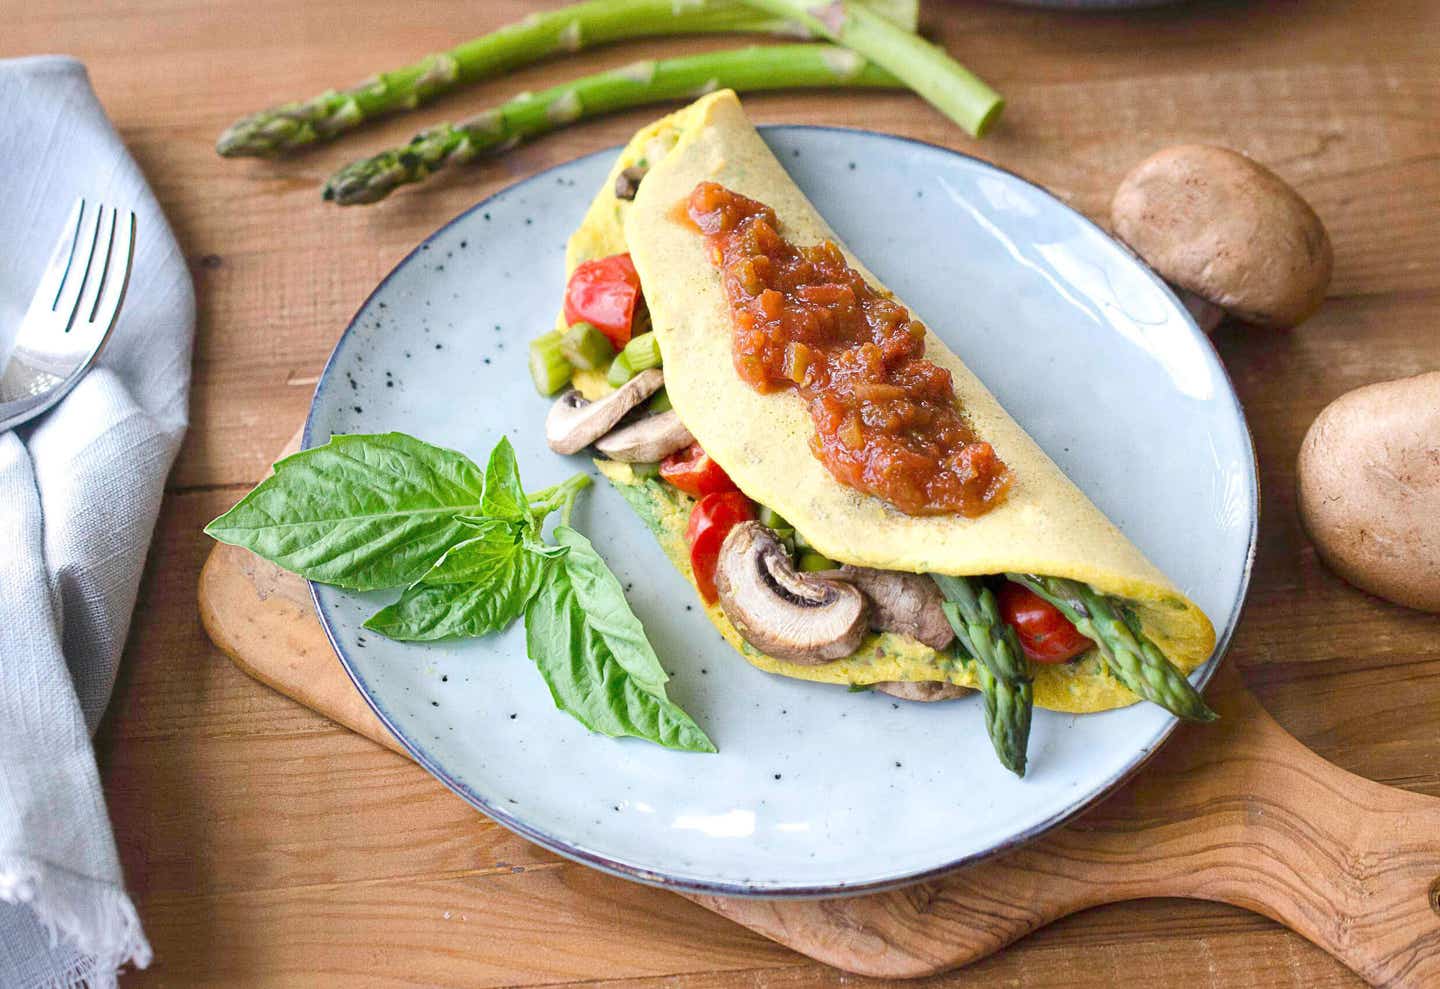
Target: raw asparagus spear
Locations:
point(950, 87)
point(1133, 659)
point(531, 114)
point(289, 126)
point(1002, 670)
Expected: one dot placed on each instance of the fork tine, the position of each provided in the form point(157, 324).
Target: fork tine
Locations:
point(117, 275)
point(67, 302)
point(62, 258)
point(83, 288)
point(99, 266)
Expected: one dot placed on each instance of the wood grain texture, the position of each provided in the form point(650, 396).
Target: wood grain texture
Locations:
point(1238, 812)
point(1337, 96)
point(1244, 815)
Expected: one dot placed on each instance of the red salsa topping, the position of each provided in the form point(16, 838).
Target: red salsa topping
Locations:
point(886, 420)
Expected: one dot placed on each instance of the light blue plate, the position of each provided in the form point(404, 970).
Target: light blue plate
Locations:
point(815, 790)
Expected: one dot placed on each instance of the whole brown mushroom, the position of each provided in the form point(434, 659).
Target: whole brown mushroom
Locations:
point(1369, 488)
point(1227, 233)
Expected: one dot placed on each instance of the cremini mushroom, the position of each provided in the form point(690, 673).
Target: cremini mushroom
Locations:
point(627, 183)
point(1227, 233)
point(906, 603)
point(788, 615)
point(575, 422)
point(1369, 488)
point(646, 440)
point(921, 690)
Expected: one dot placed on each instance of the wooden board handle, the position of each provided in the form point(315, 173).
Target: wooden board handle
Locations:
point(1238, 812)
point(1352, 865)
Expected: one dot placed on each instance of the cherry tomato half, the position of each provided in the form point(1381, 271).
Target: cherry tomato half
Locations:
point(603, 293)
point(711, 520)
point(692, 471)
point(1045, 634)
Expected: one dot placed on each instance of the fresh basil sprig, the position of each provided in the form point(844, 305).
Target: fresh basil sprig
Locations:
point(594, 655)
point(479, 586)
point(360, 512)
point(374, 511)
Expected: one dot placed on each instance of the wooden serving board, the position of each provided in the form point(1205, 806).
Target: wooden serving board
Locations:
point(1238, 812)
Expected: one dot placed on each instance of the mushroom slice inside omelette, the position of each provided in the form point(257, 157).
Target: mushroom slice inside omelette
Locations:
point(990, 501)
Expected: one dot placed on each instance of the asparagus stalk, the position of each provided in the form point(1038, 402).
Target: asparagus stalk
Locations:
point(950, 87)
point(532, 114)
point(290, 126)
point(1133, 659)
point(1007, 716)
point(1002, 670)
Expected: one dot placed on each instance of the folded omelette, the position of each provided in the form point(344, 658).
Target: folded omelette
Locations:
point(1044, 525)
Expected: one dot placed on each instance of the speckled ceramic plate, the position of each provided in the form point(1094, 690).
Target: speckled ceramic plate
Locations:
point(815, 790)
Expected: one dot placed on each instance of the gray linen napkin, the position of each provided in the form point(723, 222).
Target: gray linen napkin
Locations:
point(79, 493)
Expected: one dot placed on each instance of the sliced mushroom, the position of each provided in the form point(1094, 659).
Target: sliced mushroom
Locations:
point(906, 603)
point(782, 613)
point(1226, 232)
point(627, 183)
point(921, 690)
point(646, 440)
point(575, 422)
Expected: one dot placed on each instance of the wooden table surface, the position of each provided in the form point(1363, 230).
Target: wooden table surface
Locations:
point(268, 847)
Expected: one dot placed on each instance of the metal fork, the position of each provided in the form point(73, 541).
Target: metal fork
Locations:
point(72, 312)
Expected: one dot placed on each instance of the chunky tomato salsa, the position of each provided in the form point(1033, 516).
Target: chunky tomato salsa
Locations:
point(886, 420)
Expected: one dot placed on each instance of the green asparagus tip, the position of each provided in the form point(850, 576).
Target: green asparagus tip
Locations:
point(370, 180)
point(1205, 714)
point(328, 115)
point(285, 128)
point(260, 135)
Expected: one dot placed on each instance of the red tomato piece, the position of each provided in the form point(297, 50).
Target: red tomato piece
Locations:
point(692, 471)
point(711, 520)
point(1045, 634)
point(603, 293)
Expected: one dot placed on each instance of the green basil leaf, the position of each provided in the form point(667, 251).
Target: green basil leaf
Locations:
point(480, 586)
point(545, 549)
point(608, 613)
point(504, 498)
point(362, 511)
point(593, 654)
